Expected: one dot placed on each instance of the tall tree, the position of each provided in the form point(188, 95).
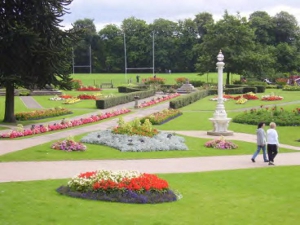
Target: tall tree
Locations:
point(233, 35)
point(286, 27)
point(203, 20)
point(112, 38)
point(34, 51)
point(264, 27)
point(88, 42)
point(165, 46)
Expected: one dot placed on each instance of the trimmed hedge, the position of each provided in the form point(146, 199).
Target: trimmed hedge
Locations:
point(229, 91)
point(187, 99)
point(118, 100)
point(253, 88)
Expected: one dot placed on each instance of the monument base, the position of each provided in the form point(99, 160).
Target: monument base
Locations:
point(215, 133)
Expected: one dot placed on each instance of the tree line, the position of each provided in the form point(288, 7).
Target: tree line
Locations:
point(258, 46)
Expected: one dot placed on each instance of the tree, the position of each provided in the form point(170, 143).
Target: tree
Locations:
point(203, 20)
point(165, 46)
point(286, 28)
point(264, 26)
point(88, 39)
point(233, 35)
point(112, 39)
point(34, 51)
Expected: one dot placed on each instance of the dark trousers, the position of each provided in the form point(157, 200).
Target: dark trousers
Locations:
point(272, 152)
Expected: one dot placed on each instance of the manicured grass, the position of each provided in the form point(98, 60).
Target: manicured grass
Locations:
point(19, 106)
point(200, 121)
point(196, 148)
point(289, 97)
point(254, 196)
point(119, 79)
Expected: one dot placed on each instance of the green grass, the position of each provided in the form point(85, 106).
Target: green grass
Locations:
point(119, 79)
point(253, 196)
point(196, 148)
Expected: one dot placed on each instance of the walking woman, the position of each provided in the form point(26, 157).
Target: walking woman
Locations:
point(261, 142)
point(273, 143)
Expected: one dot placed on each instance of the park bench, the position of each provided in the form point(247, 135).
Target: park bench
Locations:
point(107, 85)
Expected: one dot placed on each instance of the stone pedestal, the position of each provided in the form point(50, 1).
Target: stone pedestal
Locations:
point(186, 88)
point(220, 127)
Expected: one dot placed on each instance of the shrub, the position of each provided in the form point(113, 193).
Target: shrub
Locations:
point(278, 115)
point(291, 88)
point(281, 81)
point(197, 83)
point(154, 80)
point(181, 80)
point(190, 98)
point(76, 84)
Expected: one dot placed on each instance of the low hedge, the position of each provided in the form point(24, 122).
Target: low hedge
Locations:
point(253, 88)
point(188, 99)
point(229, 91)
point(118, 100)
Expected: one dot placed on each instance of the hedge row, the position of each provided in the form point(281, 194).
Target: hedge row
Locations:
point(118, 100)
point(254, 88)
point(187, 99)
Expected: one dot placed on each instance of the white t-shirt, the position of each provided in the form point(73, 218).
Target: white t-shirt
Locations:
point(272, 137)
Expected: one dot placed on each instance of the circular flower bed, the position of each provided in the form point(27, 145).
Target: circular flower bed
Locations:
point(220, 143)
point(68, 145)
point(119, 186)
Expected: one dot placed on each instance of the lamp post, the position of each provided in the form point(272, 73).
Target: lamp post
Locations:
point(220, 121)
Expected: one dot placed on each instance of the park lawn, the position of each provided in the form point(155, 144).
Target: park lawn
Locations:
point(268, 196)
point(200, 121)
point(121, 78)
point(19, 106)
point(196, 149)
point(289, 97)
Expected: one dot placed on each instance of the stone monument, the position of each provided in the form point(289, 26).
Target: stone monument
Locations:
point(220, 121)
point(186, 88)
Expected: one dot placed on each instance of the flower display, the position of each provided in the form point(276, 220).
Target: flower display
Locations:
point(158, 100)
point(135, 128)
point(86, 97)
point(269, 114)
point(241, 100)
point(162, 117)
point(250, 96)
point(220, 143)
point(119, 186)
point(68, 145)
point(88, 88)
point(21, 132)
point(66, 96)
point(56, 98)
point(71, 100)
point(41, 114)
point(271, 97)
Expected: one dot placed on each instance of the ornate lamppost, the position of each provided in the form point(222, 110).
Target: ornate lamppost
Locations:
point(220, 121)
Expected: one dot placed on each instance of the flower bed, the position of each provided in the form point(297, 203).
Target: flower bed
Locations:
point(136, 137)
point(158, 100)
point(88, 88)
point(271, 98)
point(241, 100)
point(66, 96)
point(86, 97)
point(56, 98)
point(220, 143)
point(162, 117)
point(68, 145)
point(119, 186)
point(269, 114)
point(21, 132)
point(41, 114)
point(135, 128)
point(71, 101)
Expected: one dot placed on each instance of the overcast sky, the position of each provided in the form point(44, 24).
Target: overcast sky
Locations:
point(115, 11)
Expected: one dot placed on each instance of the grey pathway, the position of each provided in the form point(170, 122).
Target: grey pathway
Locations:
point(30, 102)
point(23, 171)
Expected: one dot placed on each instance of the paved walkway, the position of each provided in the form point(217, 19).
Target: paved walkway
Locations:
point(30, 102)
point(22, 171)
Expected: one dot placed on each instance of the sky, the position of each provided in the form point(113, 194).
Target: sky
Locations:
point(105, 12)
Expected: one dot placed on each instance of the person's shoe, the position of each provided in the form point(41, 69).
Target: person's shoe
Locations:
point(253, 160)
point(266, 161)
point(271, 164)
